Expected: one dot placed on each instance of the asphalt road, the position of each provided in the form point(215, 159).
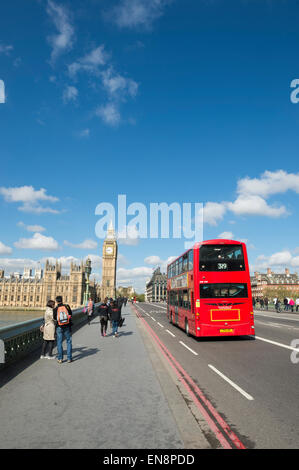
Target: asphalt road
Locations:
point(252, 384)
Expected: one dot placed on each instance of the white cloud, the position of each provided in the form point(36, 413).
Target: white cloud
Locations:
point(213, 212)
point(280, 258)
point(90, 62)
point(32, 228)
point(84, 133)
point(271, 182)
point(37, 242)
point(118, 86)
point(26, 194)
point(134, 13)
point(153, 260)
point(278, 261)
point(5, 250)
point(109, 113)
point(255, 205)
point(5, 49)
point(85, 245)
point(30, 198)
point(11, 265)
point(157, 261)
point(226, 235)
point(62, 41)
point(70, 93)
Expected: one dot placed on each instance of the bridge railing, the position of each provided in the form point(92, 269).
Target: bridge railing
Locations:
point(19, 339)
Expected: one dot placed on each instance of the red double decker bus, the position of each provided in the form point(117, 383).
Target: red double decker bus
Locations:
point(209, 291)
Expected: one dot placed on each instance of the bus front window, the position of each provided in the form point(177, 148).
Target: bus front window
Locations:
point(221, 258)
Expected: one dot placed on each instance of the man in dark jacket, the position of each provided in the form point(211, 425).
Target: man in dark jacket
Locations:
point(62, 314)
point(103, 311)
point(115, 314)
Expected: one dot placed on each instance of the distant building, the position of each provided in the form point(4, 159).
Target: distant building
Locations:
point(125, 291)
point(260, 282)
point(35, 291)
point(156, 287)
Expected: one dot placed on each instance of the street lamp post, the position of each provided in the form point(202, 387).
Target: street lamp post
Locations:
point(87, 272)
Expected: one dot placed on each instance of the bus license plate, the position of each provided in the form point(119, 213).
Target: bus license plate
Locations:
point(226, 330)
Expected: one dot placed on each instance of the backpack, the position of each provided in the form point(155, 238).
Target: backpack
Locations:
point(63, 316)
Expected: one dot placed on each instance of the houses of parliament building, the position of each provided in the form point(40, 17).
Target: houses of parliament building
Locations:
point(34, 290)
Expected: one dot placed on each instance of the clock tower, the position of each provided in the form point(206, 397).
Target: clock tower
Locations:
point(108, 288)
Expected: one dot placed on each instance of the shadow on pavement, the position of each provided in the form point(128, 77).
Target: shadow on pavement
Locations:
point(84, 352)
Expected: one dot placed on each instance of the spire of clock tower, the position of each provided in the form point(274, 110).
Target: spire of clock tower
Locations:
point(111, 232)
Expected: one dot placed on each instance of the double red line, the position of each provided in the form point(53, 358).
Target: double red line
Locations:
point(227, 438)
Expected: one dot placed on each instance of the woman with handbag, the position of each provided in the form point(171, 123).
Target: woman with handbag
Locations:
point(48, 330)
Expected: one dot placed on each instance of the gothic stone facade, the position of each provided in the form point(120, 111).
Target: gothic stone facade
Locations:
point(36, 291)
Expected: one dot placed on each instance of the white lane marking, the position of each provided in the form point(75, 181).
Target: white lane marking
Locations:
point(245, 394)
point(153, 318)
point(277, 344)
point(195, 353)
point(277, 317)
point(154, 305)
point(160, 325)
point(170, 333)
point(276, 325)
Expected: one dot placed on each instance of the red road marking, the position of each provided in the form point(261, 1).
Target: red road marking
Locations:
point(208, 404)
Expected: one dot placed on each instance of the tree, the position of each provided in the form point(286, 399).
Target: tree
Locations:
point(280, 292)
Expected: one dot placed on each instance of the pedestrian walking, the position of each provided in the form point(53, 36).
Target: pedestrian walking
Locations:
point(291, 304)
point(253, 302)
point(297, 304)
point(115, 315)
point(277, 305)
point(125, 301)
point(286, 304)
point(262, 303)
point(48, 332)
point(266, 302)
point(103, 311)
point(62, 314)
point(89, 310)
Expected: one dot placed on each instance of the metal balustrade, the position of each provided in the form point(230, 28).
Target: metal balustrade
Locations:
point(20, 339)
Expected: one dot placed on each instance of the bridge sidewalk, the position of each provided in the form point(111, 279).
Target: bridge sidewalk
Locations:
point(109, 397)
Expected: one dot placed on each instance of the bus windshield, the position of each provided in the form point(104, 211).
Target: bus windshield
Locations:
point(221, 258)
point(223, 291)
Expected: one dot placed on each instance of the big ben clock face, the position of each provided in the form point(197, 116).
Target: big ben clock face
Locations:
point(109, 250)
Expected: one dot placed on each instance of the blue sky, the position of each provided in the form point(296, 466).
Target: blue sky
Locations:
point(161, 100)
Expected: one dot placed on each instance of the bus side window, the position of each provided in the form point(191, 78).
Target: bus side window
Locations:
point(192, 302)
point(190, 260)
point(185, 263)
point(186, 303)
